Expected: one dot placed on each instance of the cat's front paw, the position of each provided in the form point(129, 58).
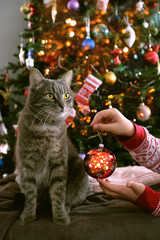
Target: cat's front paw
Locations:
point(62, 220)
point(26, 217)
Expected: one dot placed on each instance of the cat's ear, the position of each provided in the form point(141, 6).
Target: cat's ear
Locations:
point(67, 78)
point(35, 77)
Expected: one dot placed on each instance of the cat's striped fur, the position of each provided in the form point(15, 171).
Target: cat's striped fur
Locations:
point(45, 158)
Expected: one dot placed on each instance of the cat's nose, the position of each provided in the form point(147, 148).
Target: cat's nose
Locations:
point(62, 106)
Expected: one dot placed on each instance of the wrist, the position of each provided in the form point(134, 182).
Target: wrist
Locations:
point(131, 129)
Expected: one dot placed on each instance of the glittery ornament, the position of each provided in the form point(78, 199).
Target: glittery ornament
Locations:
point(143, 112)
point(100, 162)
point(100, 31)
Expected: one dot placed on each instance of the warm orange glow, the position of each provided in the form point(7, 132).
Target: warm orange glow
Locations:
point(123, 31)
point(68, 43)
point(81, 35)
point(107, 41)
point(40, 53)
point(73, 23)
point(30, 40)
point(151, 90)
point(68, 20)
point(100, 162)
point(83, 29)
point(110, 96)
point(47, 71)
point(125, 49)
point(141, 114)
point(71, 34)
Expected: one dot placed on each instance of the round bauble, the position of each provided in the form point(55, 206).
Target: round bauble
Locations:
point(25, 9)
point(143, 112)
point(88, 43)
point(151, 57)
point(154, 31)
point(110, 78)
point(100, 162)
point(73, 5)
point(100, 31)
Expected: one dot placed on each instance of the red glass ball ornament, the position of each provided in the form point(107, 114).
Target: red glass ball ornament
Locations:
point(151, 57)
point(100, 162)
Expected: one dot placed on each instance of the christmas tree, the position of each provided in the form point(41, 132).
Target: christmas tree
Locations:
point(112, 48)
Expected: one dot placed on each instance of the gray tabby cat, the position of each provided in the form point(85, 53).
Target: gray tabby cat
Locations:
point(45, 158)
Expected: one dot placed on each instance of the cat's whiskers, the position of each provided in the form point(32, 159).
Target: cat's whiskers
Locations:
point(46, 118)
point(38, 115)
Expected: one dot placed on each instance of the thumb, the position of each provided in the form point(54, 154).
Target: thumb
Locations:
point(138, 188)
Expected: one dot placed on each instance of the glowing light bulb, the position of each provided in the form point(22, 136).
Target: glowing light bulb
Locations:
point(40, 53)
point(123, 31)
point(68, 20)
point(71, 34)
point(73, 23)
point(47, 71)
point(68, 43)
point(141, 114)
point(125, 49)
point(43, 41)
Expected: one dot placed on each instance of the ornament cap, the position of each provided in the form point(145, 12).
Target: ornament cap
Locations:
point(101, 145)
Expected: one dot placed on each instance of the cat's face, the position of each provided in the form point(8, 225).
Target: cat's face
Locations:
point(50, 99)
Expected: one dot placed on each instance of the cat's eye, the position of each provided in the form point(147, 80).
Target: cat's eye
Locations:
point(66, 96)
point(50, 96)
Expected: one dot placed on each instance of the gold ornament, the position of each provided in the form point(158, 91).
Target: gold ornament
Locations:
point(25, 9)
point(6, 95)
point(110, 78)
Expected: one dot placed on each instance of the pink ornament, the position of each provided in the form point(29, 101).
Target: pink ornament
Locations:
point(100, 162)
point(73, 5)
point(143, 112)
point(102, 5)
point(30, 25)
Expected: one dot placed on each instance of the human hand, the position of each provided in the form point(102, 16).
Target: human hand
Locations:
point(111, 120)
point(129, 192)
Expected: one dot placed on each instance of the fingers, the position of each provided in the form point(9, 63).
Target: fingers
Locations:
point(108, 185)
point(104, 114)
point(107, 188)
point(103, 127)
